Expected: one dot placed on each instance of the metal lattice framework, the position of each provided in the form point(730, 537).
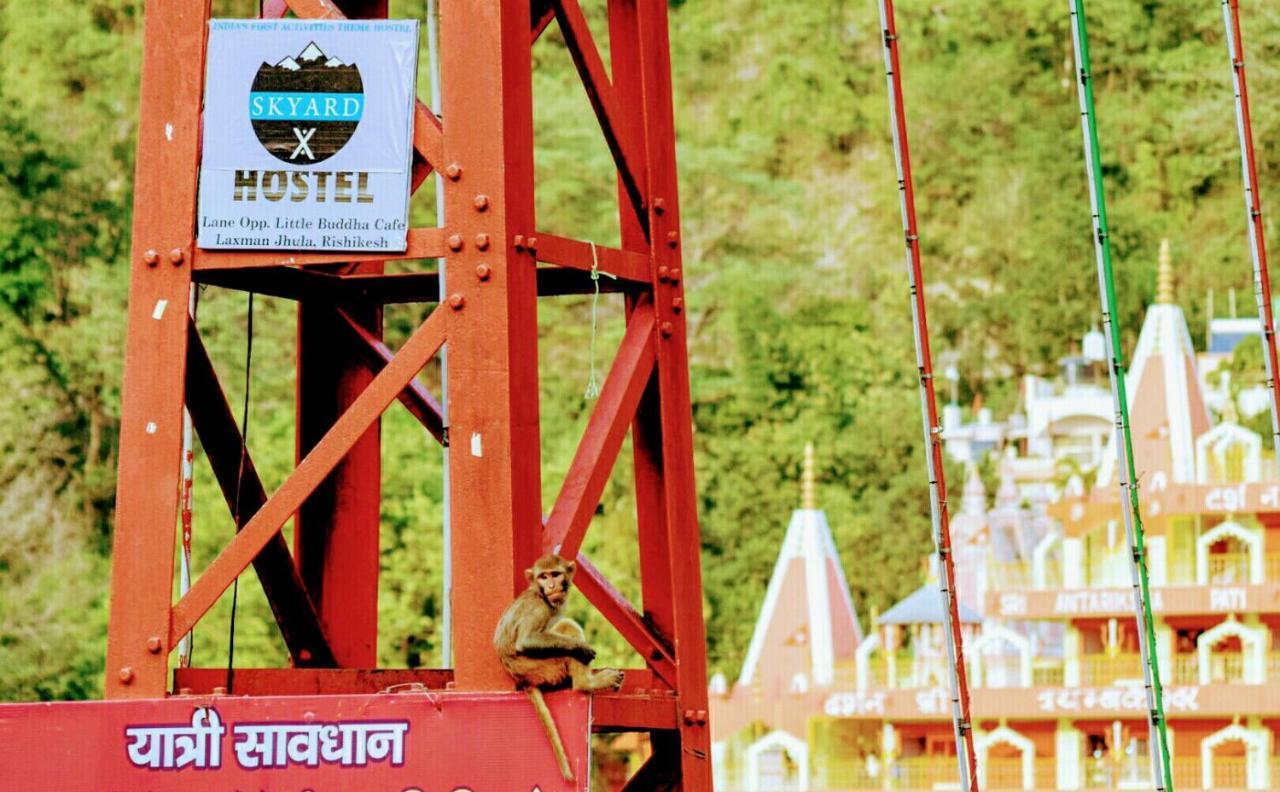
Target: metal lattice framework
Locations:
point(1253, 206)
point(323, 593)
point(962, 725)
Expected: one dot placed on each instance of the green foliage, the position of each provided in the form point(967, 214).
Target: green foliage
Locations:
point(797, 302)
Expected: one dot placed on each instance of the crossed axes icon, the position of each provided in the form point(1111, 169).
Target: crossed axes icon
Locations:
point(303, 141)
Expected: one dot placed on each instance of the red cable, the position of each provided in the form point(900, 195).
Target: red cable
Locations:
point(1254, 204)
point(929, 400)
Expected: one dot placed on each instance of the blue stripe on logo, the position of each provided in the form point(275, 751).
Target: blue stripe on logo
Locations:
point(291, 106)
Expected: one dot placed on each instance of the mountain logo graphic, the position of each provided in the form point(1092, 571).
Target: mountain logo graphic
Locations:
point(306, 107)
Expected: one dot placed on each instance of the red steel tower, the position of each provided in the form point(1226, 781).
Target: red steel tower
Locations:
point(323, 592)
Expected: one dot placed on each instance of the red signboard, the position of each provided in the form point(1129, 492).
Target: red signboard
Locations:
point(428, 742)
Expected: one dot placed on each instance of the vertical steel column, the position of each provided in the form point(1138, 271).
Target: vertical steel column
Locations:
point(155, 350)
point(337, 528)
point(1160, 767)
point(1253, 207)
point(493, 365)
point(673, 385)
point(962, 724)
point(646, 429)
point(446, 621)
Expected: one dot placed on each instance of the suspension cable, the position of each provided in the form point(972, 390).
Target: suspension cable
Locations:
point(236, 514)
point(1253, 207)
point(1161, 775)
point(961, 722)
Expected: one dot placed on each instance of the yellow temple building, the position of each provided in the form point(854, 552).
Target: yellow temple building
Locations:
point(1048, 614)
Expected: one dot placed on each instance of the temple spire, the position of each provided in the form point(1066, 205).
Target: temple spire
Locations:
point(1164, 275)
point(807, 498)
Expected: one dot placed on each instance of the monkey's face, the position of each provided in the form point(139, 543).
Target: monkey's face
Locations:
point(553, 577)
point(554, 586)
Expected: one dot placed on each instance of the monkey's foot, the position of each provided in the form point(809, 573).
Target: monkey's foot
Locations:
point(612, 678)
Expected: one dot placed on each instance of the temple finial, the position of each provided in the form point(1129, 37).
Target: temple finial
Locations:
point(1164, 275)
point(807, 497)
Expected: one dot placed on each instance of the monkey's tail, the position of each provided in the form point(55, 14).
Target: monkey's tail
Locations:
point(553, 734)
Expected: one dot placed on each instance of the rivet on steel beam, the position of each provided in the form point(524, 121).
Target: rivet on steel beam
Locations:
point(667, 329)
point(677, 304)
point(184, 691)
point(126, 675)
point(219, 691)
point(701, 716)
point(675, 274)
point(659, 206)
point(153, 644)
point(688, 716)
point(673, 238)
point(151, 257)
point(664, 273)
point(456, 301)
point(518, 241)
point(483, 272)
point(532, 244)
point(454, 171)
point(481, 202)
point(176, 256)
point(455, 242)
point(304, 655)
point(482, 241)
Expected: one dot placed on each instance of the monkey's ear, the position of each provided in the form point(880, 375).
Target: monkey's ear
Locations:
point(571, 567)
point(528, 575)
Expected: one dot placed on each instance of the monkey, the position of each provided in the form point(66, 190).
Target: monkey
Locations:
point(543, 649)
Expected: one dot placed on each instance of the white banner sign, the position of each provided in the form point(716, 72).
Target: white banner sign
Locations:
point(308, 130)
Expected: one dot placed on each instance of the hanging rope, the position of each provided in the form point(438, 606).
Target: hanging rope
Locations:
point(593, 381)
point(1253, 208)
point(235, 508)
point(1160, 766)
point(966, 759)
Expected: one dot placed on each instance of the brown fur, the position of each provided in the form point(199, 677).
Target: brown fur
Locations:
point(543, 649)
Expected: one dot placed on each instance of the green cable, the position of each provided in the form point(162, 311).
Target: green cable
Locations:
point(1128, 477)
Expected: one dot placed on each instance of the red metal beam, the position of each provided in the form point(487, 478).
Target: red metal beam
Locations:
point(291, 283)
point(674, 396)
point(617, 712)
point(626, 620)
point(416, 398)
point(155, 350)
point(565, 252)
point(214, 421)
point(582, 47)
point(646, 430)
point(593, 462)
point(495, 455)
point(661, 770)
point(307, 476)
point(310, 681)
point(424, 243)
point(294, 283)
point(337, 527)
point(540, 13)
